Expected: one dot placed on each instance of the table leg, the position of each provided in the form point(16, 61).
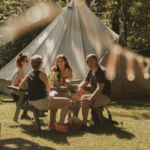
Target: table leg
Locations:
point(37, 122)
point(42, 113)
point(18, 106)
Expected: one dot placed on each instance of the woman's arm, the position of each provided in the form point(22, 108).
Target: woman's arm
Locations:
point(17, 82)
point(23, 84)
point(44, 78)
point(69, 74)
point(53, 69)
point(19, 75)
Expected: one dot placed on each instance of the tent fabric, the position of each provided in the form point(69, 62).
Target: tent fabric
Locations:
point(75, 32)
point(122, 88)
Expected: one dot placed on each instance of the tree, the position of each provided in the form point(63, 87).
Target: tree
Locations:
point(127, 15)
point(12, 9)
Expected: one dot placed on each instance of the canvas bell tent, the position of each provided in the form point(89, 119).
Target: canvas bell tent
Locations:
point(75, 32)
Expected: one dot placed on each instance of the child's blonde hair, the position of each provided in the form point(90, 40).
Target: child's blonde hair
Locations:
point(36, 61)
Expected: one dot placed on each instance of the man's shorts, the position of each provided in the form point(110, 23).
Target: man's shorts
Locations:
point(41, 104)
point(101, 100)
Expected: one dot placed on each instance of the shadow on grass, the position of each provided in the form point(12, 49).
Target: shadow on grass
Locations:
point(21, 144)
point(50, 135)
point(61, 138)
point(1, 103)
point(111, 130)
point(146, 115)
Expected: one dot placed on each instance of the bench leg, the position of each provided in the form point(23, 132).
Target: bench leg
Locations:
point(100, 116)
point(37, 121)
point(18, 106)
point(41, 113)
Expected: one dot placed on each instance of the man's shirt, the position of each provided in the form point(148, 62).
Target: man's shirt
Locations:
point(99, 77)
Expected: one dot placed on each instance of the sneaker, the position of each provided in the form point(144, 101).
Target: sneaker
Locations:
point(67, 126)
point(26, 117)
point(61, 129)
point(53, 126)
point(83, 127)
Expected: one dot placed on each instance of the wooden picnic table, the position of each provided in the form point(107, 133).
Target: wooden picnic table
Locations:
point(20, 101)
point(72, 87)
point(63, 87)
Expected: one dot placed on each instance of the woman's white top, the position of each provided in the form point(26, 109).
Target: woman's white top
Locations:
point(17, 74)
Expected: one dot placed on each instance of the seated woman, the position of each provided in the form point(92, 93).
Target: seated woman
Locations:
point(64, 69)
point(38, 87)
point(18, 75)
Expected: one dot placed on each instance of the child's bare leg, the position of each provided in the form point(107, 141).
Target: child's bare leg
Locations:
point(53, 116)
point(59, 102)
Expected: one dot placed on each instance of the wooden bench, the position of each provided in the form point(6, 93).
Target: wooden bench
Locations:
point(7, 100)
point(20, 105)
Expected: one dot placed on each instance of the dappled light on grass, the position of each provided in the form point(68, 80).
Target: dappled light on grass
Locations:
point(135, 128)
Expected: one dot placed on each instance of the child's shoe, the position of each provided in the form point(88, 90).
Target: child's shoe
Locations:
point(52, 126)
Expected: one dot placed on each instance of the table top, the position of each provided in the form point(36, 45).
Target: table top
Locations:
point(72, 87)
point(16, 88)
point(63, 87)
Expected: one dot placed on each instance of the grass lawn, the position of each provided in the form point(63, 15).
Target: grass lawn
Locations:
point(134, 134)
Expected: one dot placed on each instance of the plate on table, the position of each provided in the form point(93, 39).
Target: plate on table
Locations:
point(63, 86)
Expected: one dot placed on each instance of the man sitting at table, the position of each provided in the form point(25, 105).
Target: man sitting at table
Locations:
point(100, 88)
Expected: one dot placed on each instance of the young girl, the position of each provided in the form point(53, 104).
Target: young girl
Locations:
point(18, 75)
point(64, 69)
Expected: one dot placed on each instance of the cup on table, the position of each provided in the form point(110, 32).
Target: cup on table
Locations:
point(64, 79)
point(55, 83)
point(67, 82)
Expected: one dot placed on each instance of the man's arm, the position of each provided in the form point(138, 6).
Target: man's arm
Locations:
point(97, 92)
point(23, 84)
point(83, 84)
point(17, 82)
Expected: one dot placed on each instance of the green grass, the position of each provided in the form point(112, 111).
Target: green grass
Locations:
point(134, 134)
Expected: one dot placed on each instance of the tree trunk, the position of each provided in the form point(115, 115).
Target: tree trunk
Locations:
point(125, 31)
point(115, 22)
point(87, 2)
